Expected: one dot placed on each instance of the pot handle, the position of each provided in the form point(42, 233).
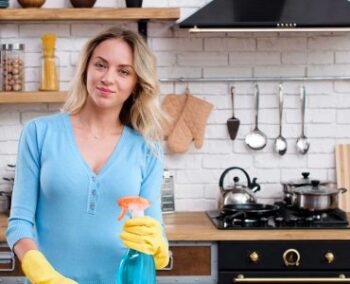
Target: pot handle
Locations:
point(343, 190)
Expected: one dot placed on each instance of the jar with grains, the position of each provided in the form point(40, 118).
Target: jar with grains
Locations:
point(12, 65)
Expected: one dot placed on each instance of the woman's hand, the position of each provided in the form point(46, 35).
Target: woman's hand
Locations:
point(39, 271)
point(144, 234)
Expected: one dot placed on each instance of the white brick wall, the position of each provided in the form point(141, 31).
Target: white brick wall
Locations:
point(214, 55)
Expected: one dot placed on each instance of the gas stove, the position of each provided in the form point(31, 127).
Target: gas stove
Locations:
point(284, 218)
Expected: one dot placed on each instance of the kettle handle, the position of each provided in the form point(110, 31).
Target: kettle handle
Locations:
point(250, 184)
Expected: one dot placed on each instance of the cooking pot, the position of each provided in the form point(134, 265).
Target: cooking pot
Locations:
point(316, 197)
point(291, 185)
point(237, 193)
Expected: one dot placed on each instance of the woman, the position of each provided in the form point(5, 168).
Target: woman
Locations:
point(73, 166)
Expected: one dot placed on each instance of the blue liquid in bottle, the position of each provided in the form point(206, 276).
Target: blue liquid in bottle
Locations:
point(136, 268)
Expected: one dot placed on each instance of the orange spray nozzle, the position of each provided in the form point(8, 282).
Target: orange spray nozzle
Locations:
point(132, 203)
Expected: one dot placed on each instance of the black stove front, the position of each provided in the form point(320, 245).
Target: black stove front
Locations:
point(282, 261)
point(276, 261)
point(284, 218)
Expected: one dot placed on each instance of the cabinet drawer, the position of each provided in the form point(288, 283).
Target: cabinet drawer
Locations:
point(9, 264)
point(188, 260)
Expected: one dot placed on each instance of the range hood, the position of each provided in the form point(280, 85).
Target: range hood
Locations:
point(270, 15)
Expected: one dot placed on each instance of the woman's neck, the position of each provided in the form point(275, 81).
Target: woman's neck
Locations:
point(99, 123)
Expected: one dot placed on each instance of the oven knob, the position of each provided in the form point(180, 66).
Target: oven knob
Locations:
point(254, 257)
point(291, 257)
point(329, 257)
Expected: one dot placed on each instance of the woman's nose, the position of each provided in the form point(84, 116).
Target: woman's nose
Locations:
point(107, 77)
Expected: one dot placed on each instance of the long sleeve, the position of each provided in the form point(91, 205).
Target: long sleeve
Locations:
point(151, 183)
point(26, 187)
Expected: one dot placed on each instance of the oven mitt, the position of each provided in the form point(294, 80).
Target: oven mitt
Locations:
point(144, 234)
point(39, 271)
point(172, 104)
point(190, 125)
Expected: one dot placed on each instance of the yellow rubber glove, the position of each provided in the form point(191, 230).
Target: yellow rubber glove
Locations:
point(144, 234)
point(39, 271)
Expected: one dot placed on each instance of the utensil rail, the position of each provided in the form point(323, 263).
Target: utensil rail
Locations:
point(255, 79)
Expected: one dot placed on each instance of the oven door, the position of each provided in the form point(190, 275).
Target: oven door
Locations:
point(229, 277)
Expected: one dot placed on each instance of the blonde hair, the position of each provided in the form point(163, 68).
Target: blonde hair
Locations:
point(142, 110)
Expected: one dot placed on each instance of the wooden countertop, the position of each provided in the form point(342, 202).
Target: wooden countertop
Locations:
point(196, 226)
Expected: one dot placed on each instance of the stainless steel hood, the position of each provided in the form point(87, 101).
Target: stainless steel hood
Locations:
point(270, 15)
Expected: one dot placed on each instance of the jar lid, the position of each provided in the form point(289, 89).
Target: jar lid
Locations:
point(13, 46)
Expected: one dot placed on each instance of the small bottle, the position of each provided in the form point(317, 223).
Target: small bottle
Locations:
point(135, 267)
point(49, 64)
point(12, 67)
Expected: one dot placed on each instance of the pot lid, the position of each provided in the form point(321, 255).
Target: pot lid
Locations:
point(315, 188)
point(305, 180)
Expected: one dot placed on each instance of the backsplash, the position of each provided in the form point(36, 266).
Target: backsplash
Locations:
point(212, 55)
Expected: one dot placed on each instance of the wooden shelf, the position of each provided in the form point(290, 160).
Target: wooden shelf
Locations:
point(32, 97)
point(68, 14)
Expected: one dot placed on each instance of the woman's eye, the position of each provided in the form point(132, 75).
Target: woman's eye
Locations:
point(124, 72)
point(100, 65)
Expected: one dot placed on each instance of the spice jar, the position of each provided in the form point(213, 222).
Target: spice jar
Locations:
point(12, 59)
point(49, 64)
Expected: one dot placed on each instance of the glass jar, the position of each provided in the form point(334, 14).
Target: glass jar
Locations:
point(12, 65)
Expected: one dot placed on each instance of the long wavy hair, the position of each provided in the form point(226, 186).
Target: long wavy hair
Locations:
point(142, 110)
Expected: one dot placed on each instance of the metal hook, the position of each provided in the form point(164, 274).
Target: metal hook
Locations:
point(187, 89)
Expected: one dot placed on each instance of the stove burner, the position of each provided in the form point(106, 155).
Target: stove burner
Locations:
point(283, 218)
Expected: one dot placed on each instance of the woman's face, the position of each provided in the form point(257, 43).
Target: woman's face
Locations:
point(111, 77)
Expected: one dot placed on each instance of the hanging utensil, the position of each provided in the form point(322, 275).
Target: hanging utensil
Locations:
point(256, 139)
point(280, 142)
point(233, 122)
point(302, 144)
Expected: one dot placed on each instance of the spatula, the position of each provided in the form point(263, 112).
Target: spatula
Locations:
point(233, 122)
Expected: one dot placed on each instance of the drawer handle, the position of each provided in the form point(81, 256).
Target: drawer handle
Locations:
point(340, 279)
point(7, 258)
point(170, 266)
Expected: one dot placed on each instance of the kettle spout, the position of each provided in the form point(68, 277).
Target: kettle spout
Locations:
point(254, 186)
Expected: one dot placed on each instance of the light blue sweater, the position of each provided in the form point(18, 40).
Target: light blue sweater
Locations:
point(68, 210)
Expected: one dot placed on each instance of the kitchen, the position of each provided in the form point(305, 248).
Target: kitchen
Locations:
point(323, 54)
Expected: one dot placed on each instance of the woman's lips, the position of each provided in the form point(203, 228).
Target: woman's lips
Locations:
point(104, 91)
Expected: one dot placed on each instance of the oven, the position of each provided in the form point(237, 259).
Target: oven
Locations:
point(281, 261)
point(284, 261)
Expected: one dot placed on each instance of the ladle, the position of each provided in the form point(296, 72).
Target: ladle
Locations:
point(256, 139)
point(302, 144)
point(280, 142)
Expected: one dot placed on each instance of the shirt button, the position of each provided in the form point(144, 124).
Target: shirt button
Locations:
point(93, 178)
point(94, 192)
point(92, 206)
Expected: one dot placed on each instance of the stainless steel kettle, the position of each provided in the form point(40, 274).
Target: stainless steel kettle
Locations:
point(237, 193)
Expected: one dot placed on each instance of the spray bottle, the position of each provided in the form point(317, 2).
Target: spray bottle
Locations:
point(135, 267)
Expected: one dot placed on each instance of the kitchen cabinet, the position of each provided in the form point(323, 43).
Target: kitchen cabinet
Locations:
point(141, 15)
point(190, 262)
point(10, 268)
